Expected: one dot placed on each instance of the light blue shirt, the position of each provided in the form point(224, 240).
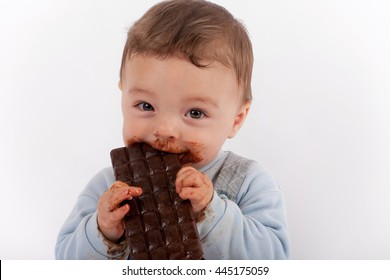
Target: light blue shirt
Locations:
point(246, 218)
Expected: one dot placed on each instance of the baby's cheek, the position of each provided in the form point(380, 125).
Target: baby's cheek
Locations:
point(133, 132)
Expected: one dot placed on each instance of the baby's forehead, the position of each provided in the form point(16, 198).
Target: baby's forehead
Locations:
point(145, 61)
point(150, 59)
point(143, 69)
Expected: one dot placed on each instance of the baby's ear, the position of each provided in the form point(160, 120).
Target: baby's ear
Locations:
point(240, 118)
point(120, 85)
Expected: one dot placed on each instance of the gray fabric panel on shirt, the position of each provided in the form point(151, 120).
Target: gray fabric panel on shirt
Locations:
point(228, 175)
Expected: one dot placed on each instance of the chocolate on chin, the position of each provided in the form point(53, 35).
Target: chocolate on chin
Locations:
point(159, 225)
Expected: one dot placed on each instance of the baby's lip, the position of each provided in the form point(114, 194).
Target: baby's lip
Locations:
point(185, 155)
point(167, 148)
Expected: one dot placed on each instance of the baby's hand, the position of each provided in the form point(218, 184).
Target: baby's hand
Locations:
point(109, 211)
point(195, 186)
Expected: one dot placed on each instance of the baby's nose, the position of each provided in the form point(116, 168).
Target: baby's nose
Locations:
point(166, 128)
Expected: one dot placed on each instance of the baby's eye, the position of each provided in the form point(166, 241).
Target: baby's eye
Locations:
point(145, 106)
point(195, 114)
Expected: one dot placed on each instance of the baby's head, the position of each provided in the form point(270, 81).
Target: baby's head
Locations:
point(197, 30)
point(186, 79)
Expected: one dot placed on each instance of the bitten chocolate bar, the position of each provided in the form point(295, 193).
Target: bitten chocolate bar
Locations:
point(159, 225)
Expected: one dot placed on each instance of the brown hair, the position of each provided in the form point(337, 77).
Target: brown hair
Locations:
point(197, 30)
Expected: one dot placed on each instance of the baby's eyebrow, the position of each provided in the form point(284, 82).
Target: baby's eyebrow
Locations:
point(137, 90)
point(205, 100)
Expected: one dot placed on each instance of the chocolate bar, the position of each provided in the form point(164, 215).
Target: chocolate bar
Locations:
point(159, 225)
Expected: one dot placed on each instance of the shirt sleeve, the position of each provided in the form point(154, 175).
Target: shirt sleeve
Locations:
point(79, 237)
point(253, 228)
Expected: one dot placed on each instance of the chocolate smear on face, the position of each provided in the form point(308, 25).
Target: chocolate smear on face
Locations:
point(192, 153)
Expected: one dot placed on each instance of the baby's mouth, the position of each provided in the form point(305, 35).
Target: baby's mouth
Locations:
point(191, 153)
point(186, 155)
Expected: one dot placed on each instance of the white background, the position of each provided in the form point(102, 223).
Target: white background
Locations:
point(319, 120)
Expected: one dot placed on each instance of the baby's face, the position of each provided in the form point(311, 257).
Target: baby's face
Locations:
point(180, 108)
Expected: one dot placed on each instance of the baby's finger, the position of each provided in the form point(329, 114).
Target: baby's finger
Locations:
point(185, 171)
point(193, 180)
point(116, 198)
point(118, 184)
point(122, 194)
point(190, 193)
point(185, 176)
point(120, 212)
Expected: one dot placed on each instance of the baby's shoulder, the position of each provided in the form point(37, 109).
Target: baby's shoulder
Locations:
point(100, 182)
point(254, 176)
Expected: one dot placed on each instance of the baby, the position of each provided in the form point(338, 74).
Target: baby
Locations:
point(185, 80)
